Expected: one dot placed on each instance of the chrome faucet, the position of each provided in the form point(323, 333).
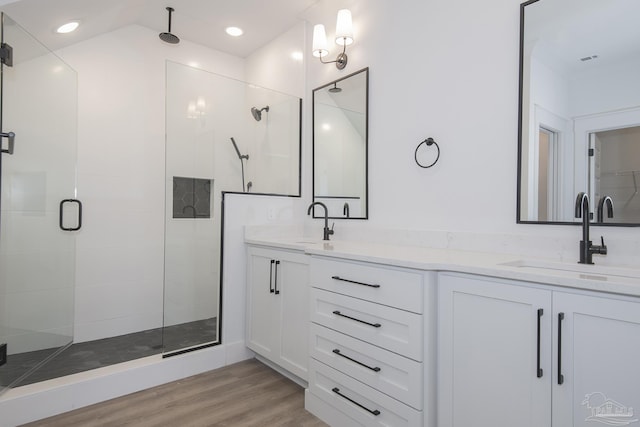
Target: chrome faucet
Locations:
point(327, 232)
point(587, 249)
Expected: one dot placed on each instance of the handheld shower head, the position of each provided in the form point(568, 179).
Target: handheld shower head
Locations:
point(257, 114)
point(240, 156)
point(168, 37)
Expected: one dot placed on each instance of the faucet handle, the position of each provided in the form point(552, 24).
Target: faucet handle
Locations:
point(332, 225)
point(602, 249)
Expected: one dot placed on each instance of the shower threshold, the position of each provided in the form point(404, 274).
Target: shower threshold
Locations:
point(85, 356)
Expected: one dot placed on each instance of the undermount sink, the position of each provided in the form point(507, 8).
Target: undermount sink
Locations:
point(593, 269)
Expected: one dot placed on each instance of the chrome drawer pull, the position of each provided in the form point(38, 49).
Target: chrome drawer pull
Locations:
point(375, 325)
point(337, 351)
point(353, 281)
point(336, 390)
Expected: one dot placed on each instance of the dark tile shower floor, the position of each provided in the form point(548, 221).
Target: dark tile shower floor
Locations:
point(89, 355)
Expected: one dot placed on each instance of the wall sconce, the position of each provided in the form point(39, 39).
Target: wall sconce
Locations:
point(344, 37)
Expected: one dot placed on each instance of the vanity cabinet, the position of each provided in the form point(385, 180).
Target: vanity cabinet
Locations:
point(600, 360)
point(368, 334)
point(277, 307)
point(520, 354)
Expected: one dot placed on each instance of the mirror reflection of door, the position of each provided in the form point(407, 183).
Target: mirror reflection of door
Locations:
point(543, 174)
point(616, 170)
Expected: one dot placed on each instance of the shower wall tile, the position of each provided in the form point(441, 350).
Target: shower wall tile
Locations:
point(117, 308)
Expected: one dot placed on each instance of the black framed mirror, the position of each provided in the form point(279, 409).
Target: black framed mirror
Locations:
point(340, 146)
point(579, 122)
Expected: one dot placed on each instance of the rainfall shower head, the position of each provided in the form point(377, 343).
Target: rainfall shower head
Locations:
point(168, 37)
point(335, 88)
point(257, 114)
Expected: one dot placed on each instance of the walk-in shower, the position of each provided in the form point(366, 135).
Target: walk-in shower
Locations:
point(67, 309)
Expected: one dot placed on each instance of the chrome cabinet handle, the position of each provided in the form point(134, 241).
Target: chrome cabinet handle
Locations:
point(375, 325)
point(353, 281)
point(336, 390)
point(374, 369)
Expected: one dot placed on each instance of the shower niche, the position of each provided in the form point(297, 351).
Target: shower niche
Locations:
point(192, 197)
point(222, 135)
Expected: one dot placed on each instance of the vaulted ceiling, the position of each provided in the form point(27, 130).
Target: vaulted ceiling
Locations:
point(199, 21)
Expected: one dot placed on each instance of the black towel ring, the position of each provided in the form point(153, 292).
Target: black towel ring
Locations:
point(428, 142)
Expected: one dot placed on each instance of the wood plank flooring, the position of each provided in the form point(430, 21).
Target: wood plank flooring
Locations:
point(244, 394)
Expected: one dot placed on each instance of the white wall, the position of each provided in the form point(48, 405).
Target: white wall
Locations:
point(447, 70)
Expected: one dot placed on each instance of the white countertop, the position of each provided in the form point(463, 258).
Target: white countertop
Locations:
point(622, 280)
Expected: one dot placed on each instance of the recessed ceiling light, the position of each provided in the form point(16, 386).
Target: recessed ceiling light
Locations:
point(297, 55)
point(68, 27)
point(234, 31)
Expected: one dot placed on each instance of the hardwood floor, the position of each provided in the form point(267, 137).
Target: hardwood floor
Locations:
point(245, 394)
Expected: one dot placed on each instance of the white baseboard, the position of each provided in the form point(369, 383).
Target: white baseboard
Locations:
point(237, 352)
point(47, 398)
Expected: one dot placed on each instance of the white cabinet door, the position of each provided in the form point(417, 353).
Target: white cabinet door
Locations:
point(600, 361)
point(492, 338)
point(293, 287)
point(278, 308)
point(263, 308)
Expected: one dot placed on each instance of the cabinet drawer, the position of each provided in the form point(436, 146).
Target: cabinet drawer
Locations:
point(395, 330)
point(360, 402)
point(385, 285)
point(392, 374)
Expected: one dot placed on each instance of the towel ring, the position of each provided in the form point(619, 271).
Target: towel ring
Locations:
point(428, 142)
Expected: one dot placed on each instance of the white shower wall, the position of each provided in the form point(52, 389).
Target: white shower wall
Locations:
point(121, 173)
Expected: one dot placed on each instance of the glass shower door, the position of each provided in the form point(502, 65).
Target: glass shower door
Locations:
point(38, 208)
